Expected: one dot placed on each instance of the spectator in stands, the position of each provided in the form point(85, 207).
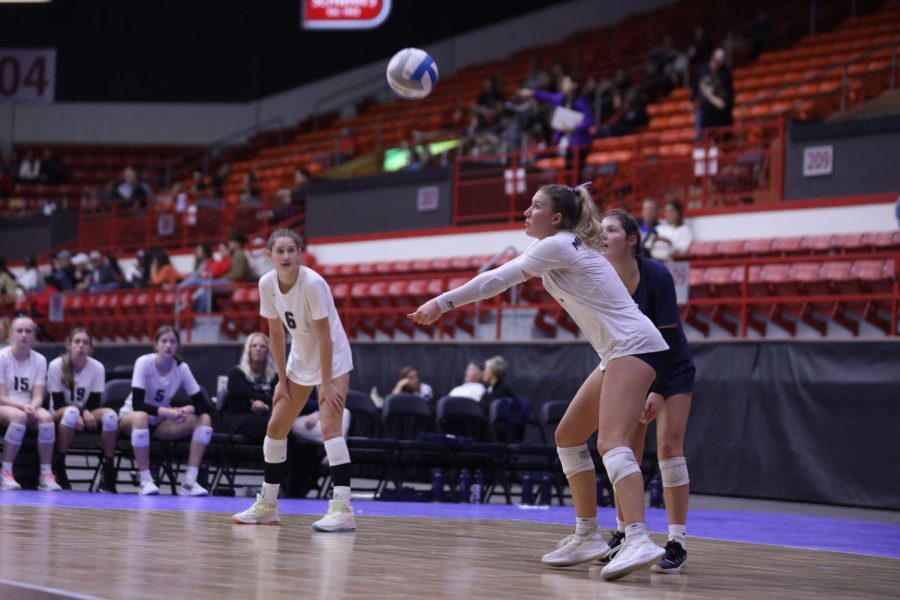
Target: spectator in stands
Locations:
point(148, 411)
point(52, 169)
point(132, 189)
point(569, 97)
point(4, 332)
point(64, 271)
point(76, 382)
point(698, 54)
point(713, 96)
point(291, 200)
point(630, 114)
point(472, 386)
point(31, 279)
point(410, 383)
point(217, 183)
point(162, 272)
point(494, 379)
point(649, 221)
point(40, 301)
point(105, 274)
point(29, 169)
point(23, 377)
point(8, 289)
point(239, 267)
point(249, 188)
point(248, 403)
point(673, 238)
point(489, 105)
point(82, 264)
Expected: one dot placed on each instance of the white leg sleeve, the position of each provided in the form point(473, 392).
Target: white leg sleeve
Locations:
point(575, 459)
point(336, 449)
point(46, 433)
point(69, 417)
point(274, 451)
point(202, 434)
point(620, 463)
point(15, 433)
point(110, 421)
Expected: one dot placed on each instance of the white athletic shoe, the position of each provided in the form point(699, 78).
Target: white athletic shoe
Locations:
point(8, 482)
point(47, 483)
point(263, 512)
point(148, 488)
point(575, 549)
point(192, 488)
point(339, 518)
point(634, 554)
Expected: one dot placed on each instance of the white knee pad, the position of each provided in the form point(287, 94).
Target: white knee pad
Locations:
point(140, 438)
point(337, 452)
point(110, 421)
point(15, 433)
point(274, 451)
point(620, 463)
point(674, 472)
point(69, 417)
point(575, 459)
point(46, 433)
point(202, 434)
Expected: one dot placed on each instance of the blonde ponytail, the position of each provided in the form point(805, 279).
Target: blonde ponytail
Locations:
point(588, 227)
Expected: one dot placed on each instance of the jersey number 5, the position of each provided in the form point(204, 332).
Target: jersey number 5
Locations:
point(160, 394)
point(289, 317)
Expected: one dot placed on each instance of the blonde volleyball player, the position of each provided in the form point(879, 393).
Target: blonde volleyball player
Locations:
point(76, 381)
point(567, 257)
point(23, 375)
point(298, 298)
point(148, 411)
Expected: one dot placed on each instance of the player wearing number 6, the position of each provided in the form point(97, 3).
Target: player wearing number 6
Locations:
point(298, 298)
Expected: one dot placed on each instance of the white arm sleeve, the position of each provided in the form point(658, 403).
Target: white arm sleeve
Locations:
point(483, 286)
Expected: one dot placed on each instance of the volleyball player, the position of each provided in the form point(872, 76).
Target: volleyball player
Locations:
point(567, 257)
point(669, 402)
point(23, 376)
point(148, 411)
point(296, 297)
point(76, 381)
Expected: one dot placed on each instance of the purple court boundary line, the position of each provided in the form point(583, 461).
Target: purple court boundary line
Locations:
point(772, 528)
point(54, 592)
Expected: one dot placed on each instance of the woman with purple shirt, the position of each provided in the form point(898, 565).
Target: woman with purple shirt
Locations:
point(568, 97)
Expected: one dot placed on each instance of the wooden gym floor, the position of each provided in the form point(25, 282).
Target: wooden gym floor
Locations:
point(77, 545)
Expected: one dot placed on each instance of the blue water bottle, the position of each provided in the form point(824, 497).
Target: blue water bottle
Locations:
point(464, 489)
point(477, 484)
point(527, 490)
point(546, 498)
point(437, 486)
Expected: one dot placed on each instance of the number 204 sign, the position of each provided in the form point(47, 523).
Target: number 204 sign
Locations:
point(27, 75)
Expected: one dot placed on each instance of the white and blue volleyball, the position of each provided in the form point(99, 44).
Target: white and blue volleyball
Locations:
point(412, 74)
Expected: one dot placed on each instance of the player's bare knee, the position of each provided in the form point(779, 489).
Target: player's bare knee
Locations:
point(140, 420)
point(205, 420)
point(669, 448)
point(19, 418)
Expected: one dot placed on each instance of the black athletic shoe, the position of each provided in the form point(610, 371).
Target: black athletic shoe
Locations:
point(108, 479)
point(674, 561)
point(59, 471)
point(616, 538)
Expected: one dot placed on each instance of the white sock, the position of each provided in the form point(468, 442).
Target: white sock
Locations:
point(7, 466)
point(342, 493)
point(45, 469)
point(145, 475)
point(270, 491)
point(635, 530)
point(190, 474)
point(676, 533)
point(620, 525)
point(585, 525)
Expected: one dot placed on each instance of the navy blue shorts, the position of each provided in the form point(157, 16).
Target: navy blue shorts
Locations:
point(676, 375)
point(654, 359)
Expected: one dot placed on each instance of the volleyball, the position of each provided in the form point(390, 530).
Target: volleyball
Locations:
point(412, 74)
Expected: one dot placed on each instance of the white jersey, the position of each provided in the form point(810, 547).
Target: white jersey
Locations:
point(89, 380)
point(308, 300)
point(21, 377)
point(587, 286)
point(472, 389)
point(159, 389)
